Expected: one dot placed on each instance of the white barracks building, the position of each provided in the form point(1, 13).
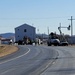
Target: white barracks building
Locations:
point(25, 30)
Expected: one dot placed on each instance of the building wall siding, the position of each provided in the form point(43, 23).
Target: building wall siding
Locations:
point(71, 40)
point(24, 30)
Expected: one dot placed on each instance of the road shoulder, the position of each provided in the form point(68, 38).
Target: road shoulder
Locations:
point(7, 49)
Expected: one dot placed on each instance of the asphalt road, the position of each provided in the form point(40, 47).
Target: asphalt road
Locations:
point(39, 60)
point(65, 64)
point(29, 60)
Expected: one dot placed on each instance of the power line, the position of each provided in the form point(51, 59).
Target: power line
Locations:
point(22, 18)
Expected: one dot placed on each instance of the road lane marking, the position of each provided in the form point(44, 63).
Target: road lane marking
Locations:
point(53, 63)
point(7, 71)
point(16, 57)
point(50, 64)
point(47, 66)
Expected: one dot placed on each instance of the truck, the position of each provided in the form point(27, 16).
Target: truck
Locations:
point(53, 40)
point(56, 40)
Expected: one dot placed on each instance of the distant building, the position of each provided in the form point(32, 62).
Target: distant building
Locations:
point(71, 40)
point(4, 40)
point(25, 30)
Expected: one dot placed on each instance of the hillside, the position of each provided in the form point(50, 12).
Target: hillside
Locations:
point(7, 35)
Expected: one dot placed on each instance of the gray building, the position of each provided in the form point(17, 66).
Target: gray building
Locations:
point(25, 30)
point(71, 40)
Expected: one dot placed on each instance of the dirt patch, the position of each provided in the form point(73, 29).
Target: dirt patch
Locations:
point(7, 49)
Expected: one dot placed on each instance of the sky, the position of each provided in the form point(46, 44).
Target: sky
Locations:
point(42, 14)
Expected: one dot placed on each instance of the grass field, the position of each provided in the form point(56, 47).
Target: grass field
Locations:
point(7, 49)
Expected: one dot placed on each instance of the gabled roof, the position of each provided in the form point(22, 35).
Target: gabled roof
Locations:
point(25, 25)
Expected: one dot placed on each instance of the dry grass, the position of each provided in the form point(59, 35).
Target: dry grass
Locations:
point(7, 49)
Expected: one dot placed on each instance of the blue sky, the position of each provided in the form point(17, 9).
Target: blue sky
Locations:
point(39, 13)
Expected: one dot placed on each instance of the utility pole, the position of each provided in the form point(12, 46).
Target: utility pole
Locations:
point(48, 30)
point(71, 25)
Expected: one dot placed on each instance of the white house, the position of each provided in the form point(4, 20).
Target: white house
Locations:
point(25, 30)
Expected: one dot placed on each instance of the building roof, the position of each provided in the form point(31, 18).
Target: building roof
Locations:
point(25, 25)
point(4, 39)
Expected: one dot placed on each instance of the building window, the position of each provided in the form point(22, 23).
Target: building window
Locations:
point(25, 30)
point(18, 35)
point(18, 29)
